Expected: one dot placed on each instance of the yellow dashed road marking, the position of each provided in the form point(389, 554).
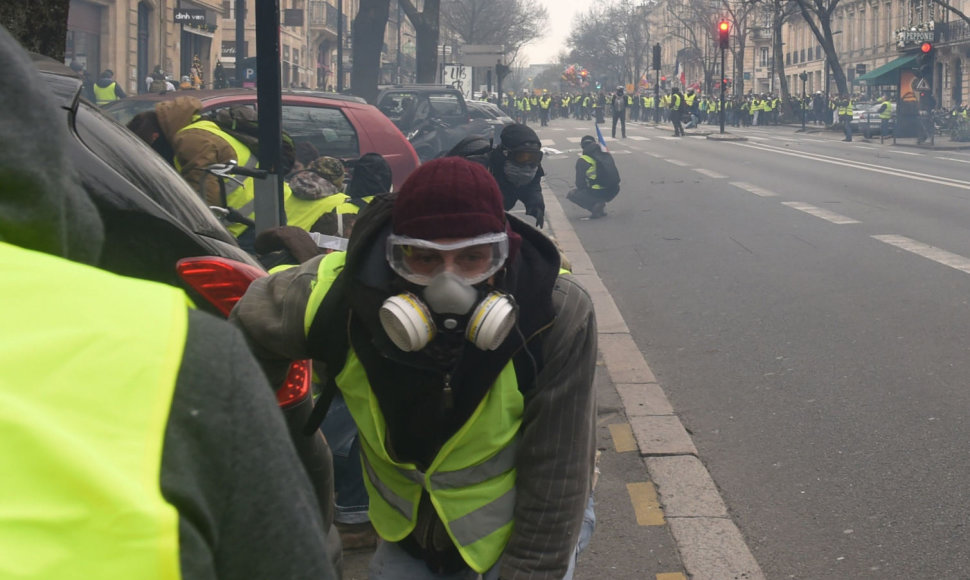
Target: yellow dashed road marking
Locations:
point(623, 439)
point(645, 503)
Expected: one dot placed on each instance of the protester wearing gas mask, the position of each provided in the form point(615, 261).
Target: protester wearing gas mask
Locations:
point(516, 165)
point(466, 359)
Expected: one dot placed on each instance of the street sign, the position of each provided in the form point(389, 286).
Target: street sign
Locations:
point(482, 54)
point(482, 48)
point(922, 85)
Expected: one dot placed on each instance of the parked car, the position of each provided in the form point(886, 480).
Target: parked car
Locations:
point(491, 114)
point(340, 126)
point(157, 228)
point(865, 118)
point(433, 117)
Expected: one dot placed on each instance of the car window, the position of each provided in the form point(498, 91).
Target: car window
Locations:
point(447, 105)
point(124, 110)
point(477, 113)
point(146, 170)
point(327, 129)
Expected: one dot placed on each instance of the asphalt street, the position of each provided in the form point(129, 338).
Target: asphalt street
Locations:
point(803, 304)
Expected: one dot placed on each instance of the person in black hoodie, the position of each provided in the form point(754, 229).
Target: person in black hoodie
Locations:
point(142, 435)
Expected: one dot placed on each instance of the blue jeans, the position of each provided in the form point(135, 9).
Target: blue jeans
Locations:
point(391, 562)
point(341, 433)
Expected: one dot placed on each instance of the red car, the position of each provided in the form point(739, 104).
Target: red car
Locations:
point(340, 126)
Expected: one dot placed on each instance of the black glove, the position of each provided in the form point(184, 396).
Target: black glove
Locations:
point(538, 212)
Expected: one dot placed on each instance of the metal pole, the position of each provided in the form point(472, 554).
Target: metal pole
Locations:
point(722, 90)
point(399, 43)
point(268, 192)
point(803, 103)
point(340, 46)
point(240, 41)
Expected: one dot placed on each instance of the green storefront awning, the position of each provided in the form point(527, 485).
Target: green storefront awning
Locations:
point(887, 74)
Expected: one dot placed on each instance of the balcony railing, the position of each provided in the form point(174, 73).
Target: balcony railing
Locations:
point(323, 15)
point(955, 31)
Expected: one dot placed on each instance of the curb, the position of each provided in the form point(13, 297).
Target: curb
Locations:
point(710, 545)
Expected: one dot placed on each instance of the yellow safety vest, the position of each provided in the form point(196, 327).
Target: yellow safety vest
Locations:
point(591, 172)
point(888, 113)
point(86, 384)
point(471, 481)
point(299, 212)
point(104, 95)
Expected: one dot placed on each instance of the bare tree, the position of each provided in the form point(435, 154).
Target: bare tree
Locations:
point(597, 46)
point(740, 14)
point(39, 25)
point(368, 40)
point(511, 23)
point(695, 22)
point(426, 26)
point(818, 15)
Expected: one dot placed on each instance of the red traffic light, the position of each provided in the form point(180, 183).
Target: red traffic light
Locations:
point(663, 78)
point(926, 47)
point(724, 26)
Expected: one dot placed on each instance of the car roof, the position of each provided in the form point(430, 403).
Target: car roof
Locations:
point(208, 94)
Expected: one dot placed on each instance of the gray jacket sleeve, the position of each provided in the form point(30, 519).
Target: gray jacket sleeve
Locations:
point(557, 444)
point(271, 315)
point(246, 507)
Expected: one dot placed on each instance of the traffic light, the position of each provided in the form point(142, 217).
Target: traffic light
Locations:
point(501, 71)
point(656, 56)
point(724, 34)
point(924, 60)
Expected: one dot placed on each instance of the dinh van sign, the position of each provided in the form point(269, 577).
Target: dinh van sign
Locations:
point(190, 16)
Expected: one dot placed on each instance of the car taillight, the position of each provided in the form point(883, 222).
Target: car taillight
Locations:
point(297, 383)
point(219, 280)
point(222, 282)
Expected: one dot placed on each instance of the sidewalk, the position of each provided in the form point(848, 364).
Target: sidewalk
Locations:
point(659, 514)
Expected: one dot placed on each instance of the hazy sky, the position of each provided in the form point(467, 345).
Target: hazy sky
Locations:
point(561, 14)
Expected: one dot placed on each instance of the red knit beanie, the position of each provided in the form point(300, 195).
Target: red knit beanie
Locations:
point(451, 197)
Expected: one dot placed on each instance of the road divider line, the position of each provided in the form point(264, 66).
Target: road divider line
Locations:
point(961, 184)
point(623, 439)
point(907, 153)
point(759, 191)
point(646, 506)
point(954, 159)
point(829, 216)
point(709, 173)
point(938, 255)
point(677, 162)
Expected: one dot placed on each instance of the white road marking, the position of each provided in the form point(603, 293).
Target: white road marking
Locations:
point(574, 139)
point(655, 155)
point(924, 177)
point(954, 159)
point(907, 153)
point(753, 189)
point(709, 173)
point(938, 255)
point(820, 213)
point(621, 152)
point(670, 138)
point(864, 147)
point(677, 162)
point(639, 138)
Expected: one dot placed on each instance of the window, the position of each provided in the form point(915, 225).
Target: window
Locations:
point(326, 129)
point(787, 58)
point(764, 56)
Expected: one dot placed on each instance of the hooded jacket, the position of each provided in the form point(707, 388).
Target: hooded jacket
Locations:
point(555, 452)
point(194, 148)
point(223, 433)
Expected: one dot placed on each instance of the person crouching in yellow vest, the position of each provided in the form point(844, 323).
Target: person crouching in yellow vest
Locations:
point(139, 438)
point(466, 360)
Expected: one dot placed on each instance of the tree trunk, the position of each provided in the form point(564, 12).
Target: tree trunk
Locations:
point(368, 39)
point(39, 25)
point(426, 29)
point(780, 64)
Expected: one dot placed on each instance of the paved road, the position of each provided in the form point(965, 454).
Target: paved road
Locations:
point(803, 303)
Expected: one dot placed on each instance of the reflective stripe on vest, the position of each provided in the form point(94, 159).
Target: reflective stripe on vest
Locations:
point(471, 481)
point(591, 172)
point(104, 95)
point(86, 386)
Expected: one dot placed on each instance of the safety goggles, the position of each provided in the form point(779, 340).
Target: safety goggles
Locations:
point(524, 156)
point(473, 259)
